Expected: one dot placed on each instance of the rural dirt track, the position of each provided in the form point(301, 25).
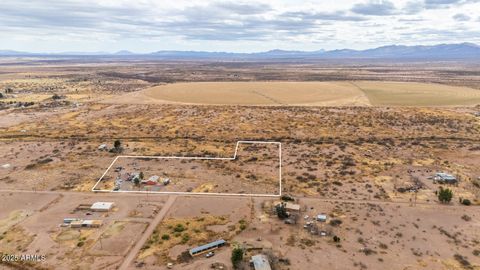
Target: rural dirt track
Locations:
point(134, 251)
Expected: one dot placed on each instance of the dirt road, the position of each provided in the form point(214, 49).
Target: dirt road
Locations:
point(134, 251)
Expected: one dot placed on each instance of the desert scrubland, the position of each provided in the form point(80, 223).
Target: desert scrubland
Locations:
point(360, 143)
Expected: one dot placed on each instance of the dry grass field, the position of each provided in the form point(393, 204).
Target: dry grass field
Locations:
point(335, 93)
point(251, 93)
point(417, 94)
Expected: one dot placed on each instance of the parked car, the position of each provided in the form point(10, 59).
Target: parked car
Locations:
point(209, 254)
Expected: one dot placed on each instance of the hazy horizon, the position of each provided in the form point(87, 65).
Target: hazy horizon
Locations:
point(237, 52)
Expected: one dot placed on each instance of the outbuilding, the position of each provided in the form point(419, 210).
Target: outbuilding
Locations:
point(260, 262)
point(69, 220)
point(102, 206)
point(92, 223)
point(76, 224)
point(291, 207)
point(322, 218)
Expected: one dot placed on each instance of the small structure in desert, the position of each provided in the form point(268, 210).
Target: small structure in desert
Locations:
point(102, 206)
point(89, 223)
point(103, 147)
point(260, 262)
point(444, 178)
point(290, 207)
point(321, 218)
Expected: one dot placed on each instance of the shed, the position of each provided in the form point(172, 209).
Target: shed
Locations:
point(292, 207)
point(322, 218)
point(102, 206)
point(260, 262)
point(69, 220)
point(92, 223)
point(76, 224)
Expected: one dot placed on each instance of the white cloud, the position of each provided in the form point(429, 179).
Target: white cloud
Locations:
point(150, 25)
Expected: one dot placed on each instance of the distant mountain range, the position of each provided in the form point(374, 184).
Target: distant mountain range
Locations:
point(441, 51)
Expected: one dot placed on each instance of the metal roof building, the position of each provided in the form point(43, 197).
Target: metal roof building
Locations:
point(260, 262)
point(445, 177)
point(322, 217)
point(101, 206)
point(290, 206)
point(213, 245)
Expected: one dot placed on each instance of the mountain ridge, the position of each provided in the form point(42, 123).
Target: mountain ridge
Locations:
point(439, 51)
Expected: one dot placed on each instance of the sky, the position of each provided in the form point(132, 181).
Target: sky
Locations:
point(144, 26)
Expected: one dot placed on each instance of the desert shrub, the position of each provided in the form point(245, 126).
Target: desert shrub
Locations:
point(185, 238)
point(243, 224)
point(463, 261)
point(165, 237)
point(368, 251)
point(281, 211)
point(335, 222)
point(445, 195)
point(287, 198)
point(336, 239)
point(179, 228)
point(466, 202)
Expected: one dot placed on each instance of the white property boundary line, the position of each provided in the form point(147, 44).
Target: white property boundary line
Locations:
point(200, 158)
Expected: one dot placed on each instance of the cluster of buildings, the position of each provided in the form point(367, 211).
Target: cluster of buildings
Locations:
point(88, 223)
point(311, 224)
point(137, 178)
point(258, 262)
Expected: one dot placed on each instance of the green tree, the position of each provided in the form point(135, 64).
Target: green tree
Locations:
point(237, 256)
point(281, 210)
point(336, 239)
point(117, 144)
point(445, 195)
point(136, 181)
